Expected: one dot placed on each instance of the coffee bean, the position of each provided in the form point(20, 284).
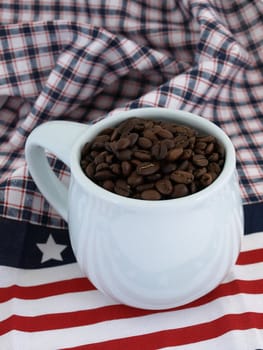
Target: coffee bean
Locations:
point(159, 150)
point(214, 167)
point(168, 167)
point(165, 134)
point(104, 175)
point(147, 168)
point(209, 149)
point(102, 166)
point(126, 154)
point(182, 177)
point(142, 155)
point(150, 195)
point(126, 168)
point(144, 187)
point(115, 168)
point(200, 160)
point(144, 143)
point(133, 137)
point(174, 154)
point(108, 185)
point(164, 186)
point(122, 143)
point(122, 188)
point(134, 179)
point(184, 165)
point(90, 170)
point(180, 190)
point(206, 179)
point(181, 141)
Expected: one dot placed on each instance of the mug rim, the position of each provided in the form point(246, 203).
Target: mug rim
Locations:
point(153, 113)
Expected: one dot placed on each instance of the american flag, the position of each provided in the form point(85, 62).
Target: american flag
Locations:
point(82, 60)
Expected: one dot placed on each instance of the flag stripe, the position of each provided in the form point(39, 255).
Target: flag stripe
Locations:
point(186, 335)
point(44, 290)
point(250, 257)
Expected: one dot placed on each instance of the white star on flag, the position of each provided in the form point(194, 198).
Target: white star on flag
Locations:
point(51, 250)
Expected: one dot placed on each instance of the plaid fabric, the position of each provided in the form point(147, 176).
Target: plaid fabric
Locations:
point(80, 60)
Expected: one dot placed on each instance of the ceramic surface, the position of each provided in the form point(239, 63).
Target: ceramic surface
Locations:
point(147, 254)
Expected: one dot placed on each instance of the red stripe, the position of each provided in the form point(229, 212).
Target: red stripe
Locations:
point(182, 336)
point(250, 257)
point(45, 290)
point(86, 317)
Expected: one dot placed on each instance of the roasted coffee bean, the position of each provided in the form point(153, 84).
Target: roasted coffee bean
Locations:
point(200, 160)
point(180, 190)
point(102, 166)
point(104, 175)
point(184, 130)
point(151, 195)
point(116, 168)
point(184, 165)
point(164, 186)
point(165, 134)
point(181, 141)
point(209, 149)
point(168, 167)
point(126, 168)
point(99, 142)
point(144, 143)
point(149, 134)
point(134, 179)
point(133, 137)
point(201, 145)
point(126, 154)
point(100, 158)
point(152, 160)
point(147, 168)
point(144, 187)
point(206, 179)
point(174, 154)
point(153, 177)
point(159, 150)
point(142, 155)
point(108, 185)
point(200, 172)
point(207, 138)
point(214, 157)
point(214, 167)
point(187, 153)
point(182, 177)
point(90, 170)
point(122, 188)
point(122, 143)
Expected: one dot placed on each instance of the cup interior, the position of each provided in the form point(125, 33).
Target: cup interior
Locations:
point(202, 125)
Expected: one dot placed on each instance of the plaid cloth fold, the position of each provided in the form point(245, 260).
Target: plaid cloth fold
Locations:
point(83, 60)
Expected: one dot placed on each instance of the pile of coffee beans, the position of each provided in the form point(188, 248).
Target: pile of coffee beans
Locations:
point(152, 160)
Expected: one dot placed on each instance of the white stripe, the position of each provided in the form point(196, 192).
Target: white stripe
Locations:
point(245, 272)
point(56, 304)
point(122, 328)
point(252, 241)
point(250, 339)
point(21, 277)
point(24, 278)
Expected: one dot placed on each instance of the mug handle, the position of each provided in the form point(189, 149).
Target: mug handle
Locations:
point(58, 138)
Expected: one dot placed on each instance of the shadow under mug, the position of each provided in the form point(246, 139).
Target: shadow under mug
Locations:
point(146, 254)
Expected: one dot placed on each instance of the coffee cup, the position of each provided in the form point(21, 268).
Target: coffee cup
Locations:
point(143, 253)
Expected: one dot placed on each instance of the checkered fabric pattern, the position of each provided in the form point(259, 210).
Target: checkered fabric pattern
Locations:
point(82, 60)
